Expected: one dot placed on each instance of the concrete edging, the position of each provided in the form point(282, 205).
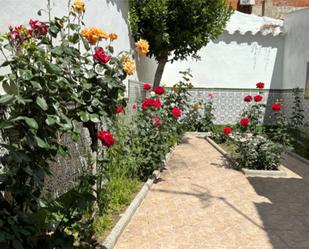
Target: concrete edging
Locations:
point(300, 158)
point(250, 172)
point(118, 229)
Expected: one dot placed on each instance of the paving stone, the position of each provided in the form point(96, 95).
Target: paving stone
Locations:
point(202, 203)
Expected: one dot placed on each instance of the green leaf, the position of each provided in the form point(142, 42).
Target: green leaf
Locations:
point(17, 244)
point(86, 44)
point(10, 88)
point(94, 118)
point(31, 122)
point(84, 116)
point(74, 27)
point(4, 124)
point(52, 68)
point(53, 29)
point(26, 74)
point(41, 102)
point(36, 85)
point(74, 38)
point(5, 99)
point(51, 120)
point(57, 50)
point(40, 142)
point(6, 63)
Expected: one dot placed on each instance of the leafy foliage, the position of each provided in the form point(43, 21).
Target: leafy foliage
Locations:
point(297, 118)
point(200, 117)
point(176, 29)
point(257, 147)
point(53, 83)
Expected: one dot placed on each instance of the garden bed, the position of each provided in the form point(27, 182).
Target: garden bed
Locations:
point(227, 150)
point(120, 220)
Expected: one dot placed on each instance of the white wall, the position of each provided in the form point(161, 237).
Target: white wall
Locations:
point(296, 49)
point(110, 15)
point(234, 61)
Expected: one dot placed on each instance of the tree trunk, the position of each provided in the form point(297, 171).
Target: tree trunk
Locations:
point(159, 72)
point(93, 132)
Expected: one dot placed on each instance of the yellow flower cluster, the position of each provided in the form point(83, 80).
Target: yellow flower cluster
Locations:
point(78, 6)
point(197, 106)
point(94, 35)
point(113, 36)
point(128, 65)
point(142, 47)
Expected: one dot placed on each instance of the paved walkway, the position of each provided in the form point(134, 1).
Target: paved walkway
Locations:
point(200, 203)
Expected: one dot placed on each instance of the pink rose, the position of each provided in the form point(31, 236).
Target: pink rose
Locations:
point(156, 120)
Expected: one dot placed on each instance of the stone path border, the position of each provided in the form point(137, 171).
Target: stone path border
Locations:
point(112, 238)
point(250, 172)
point(304, 160)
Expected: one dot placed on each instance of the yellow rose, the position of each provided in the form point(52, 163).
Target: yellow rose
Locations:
point(113, 36)
point(78, 6)
point(85, 33)
point(197, 106)
point(142, 47)
point(129, 66)
point(94, 35)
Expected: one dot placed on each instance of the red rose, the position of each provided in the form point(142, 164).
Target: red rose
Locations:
point(106, 138)
point(147, 103)
point(38, 28)
point(159, 90)
point(244, 122)
point(276, 107)
point(147, 86)
point(101, 56)
point(176, 112)
point(156, 120)
point(119, 109)
point(227, 130)
point(156, 103)
point(258, 98)
point(260, 85)
point(134, 106)
point(248, 98)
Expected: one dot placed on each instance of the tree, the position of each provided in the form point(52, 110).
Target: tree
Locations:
point(176, 29)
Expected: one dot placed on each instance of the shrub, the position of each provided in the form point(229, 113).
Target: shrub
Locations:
point(297, 117)
point(199, 116)
point(256, 149)
point(159, 123)
point(177, 29)
point(54, 81)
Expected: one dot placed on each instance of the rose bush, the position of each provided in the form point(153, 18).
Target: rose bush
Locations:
point(158, 123)
point(60, 74)
point(200, 117)
point(255, 149)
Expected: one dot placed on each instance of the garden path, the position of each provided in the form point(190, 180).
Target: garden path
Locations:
point(200, 203)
